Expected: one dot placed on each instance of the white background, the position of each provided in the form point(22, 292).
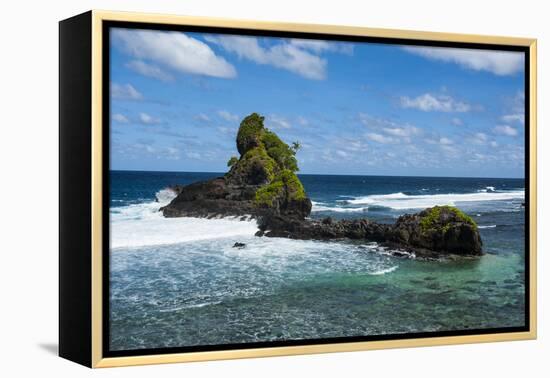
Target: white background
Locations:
point(29, 189)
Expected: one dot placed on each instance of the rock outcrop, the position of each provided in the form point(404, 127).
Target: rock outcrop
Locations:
point(262, 183)
point(437, 231)
point(440, 228)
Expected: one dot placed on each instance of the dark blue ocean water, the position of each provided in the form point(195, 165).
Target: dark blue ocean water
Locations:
point(178, 282)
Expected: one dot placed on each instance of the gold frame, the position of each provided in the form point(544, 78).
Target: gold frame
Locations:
point(97, 201)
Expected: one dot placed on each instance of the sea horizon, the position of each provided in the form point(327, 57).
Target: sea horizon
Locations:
point(328, 174)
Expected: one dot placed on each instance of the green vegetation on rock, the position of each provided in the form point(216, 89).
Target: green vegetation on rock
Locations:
point(232, 161)
point(250, 132)
point(279, 151)
point(293, 184)
point(285, 182)
point(267, 161)
point(266, 195)
point(432, 219)
point(255, 167)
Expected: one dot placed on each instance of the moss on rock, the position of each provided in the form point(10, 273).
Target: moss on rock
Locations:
point(268, 194)
point(293, 185)
point(255, 167)
point(250, 133)
point(232, 161)
point(285, 187)
point(268, 164)
point(432, 219)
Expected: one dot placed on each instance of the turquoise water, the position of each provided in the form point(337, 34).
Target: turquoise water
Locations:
point(179, 282)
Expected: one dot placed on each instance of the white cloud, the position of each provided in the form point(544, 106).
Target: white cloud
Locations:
point(125, 92)
point(498, 62)
point(227, 130)
point(146, 119)
point(379, 138)
point(405, 131)
point(302, 121)
point(319, 46)
point(230, 117)
point(277, 122)
point(202, 117)
point(149, 70)
point(342, 154)
point(120, 118)
point(505, 130)
point(439, 103)
point(193, 155)
point(285, 55)
point(441, 141)
point(493, 143)
point(479, 138)
point(515, 109)
point(520, 118)
point(398, 132)
point(457, 121)
point(174, 50)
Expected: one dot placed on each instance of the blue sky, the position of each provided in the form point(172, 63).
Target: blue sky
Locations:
point(357, 108)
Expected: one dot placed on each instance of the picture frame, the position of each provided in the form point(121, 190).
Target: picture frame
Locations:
point(85, 142)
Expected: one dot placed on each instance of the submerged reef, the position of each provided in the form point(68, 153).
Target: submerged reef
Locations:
point(262, 183)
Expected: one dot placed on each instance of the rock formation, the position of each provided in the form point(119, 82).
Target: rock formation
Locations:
point(436, 231)
point(262, 183)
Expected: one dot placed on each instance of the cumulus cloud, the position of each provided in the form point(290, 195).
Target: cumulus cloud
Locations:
point(125, 92)
point(441, 141)
point(379, 138)
point(516, 109)
point(174, 50)
point(342, 154)
point(149, 70)
point(457, 121)
point(318, 46)
point(438, 103)
point(299, 57)
point(505, 130)
point(202, 117)
point(479, 138)
point(120, 118)
point(302, 121)
point(405, 131)
point(497, 62)
point(147, 119)
point(391, 132)
point(511, 118)
point(227, 116)
point(275, 122)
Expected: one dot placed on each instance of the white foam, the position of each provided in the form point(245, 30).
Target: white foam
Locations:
point(489, 226)
point(384, 271)
point(403, 201)
point(320, 207)
point(143, 225)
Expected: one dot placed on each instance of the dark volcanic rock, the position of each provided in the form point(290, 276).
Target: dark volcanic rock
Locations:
point(441, 230)
point(210, 199)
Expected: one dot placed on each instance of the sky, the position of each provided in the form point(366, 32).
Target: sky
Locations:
point(356, 108)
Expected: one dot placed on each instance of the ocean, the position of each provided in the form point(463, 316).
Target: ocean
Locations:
point(179, 282)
